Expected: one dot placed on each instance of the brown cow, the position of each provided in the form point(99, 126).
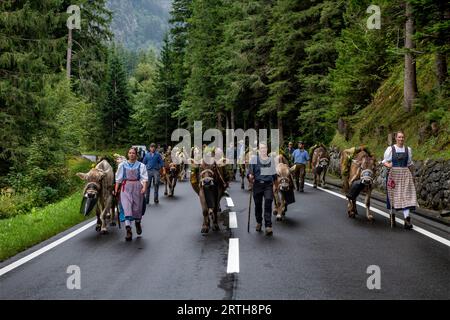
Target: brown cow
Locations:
point(319, 165)
point(282, 185)
point(99, 192)
point(169, 174)
point(361, 172)
point(209, 181)
point(243, 169)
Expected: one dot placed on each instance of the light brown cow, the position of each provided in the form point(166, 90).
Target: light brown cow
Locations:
point(182, 161)
point(99, 192)
point(243, 169)
point(283, 184)
point(169, 175)
point(319, 165)
point(361, 172)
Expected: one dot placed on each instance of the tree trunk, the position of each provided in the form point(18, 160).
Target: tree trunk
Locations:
point(441, 57)
point(232, 118)
point(227, 121)
point(410, 84)
point(69, 55)
point(219, 121)
point(280, 126)
point(441, 68)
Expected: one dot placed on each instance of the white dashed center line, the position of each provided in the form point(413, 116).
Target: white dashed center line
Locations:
point(230, 203)
point(233, 247)
point(233, 256)
point(232, 220)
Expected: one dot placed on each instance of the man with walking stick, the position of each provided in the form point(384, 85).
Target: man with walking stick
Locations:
point(262, 174)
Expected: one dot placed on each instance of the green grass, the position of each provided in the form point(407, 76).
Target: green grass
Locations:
point(23, 231)
point(78, 164)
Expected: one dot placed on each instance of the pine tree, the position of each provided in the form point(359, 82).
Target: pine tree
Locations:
point(32, 50)
point(175, 46)
point(204, 37)
point(242, 61)
point(116, 110)
point(433, 31)
point(316, 119)
point(364, 56)
point(288, 30)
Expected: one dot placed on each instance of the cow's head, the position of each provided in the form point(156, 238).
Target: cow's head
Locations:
point(173, 171)
point(92, 189)
point(208, 182)
point(322, 164)
point(366, 167)
point(207, 177)
point(284, 183)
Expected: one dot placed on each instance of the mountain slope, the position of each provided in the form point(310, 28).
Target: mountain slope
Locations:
point(139, 24)
point(427, 127)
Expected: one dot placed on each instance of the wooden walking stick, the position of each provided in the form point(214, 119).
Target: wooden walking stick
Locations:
point(116, 205)
point(117, 208)
point(249, 210)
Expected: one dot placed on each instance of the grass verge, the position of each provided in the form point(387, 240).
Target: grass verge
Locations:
point(23, 231)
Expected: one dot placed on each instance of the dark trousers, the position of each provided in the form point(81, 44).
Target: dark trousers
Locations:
point(153, 175)
point(260, 191)
point(299, 174)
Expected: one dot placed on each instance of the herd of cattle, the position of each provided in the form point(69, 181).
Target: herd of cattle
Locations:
point(210, 179)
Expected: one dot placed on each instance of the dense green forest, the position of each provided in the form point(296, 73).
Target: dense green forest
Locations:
point(311, 68)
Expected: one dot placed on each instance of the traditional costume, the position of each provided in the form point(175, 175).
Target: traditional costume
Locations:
point(401, 192)
point(132, 176)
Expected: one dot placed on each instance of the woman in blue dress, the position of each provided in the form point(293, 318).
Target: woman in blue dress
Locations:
point(132, 178)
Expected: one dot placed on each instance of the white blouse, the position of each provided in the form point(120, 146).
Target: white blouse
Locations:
point(388, 154)
point(142, 170)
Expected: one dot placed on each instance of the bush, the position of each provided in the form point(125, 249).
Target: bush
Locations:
point(28, 191)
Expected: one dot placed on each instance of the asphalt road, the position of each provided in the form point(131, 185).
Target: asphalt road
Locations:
point(316, 253)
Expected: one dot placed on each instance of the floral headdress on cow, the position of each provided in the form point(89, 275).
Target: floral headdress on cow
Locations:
point(314, 147)
point(351, 153)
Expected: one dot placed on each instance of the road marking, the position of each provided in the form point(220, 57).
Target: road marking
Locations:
point(386, 215)
point(229, 202)
point(48, 247)
point(232, 220)
point(233, 256)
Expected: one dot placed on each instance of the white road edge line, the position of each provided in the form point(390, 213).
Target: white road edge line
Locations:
point(48, 247)
point(386, 215)
point(233, 256)
point(232, 220)
point(230, 203)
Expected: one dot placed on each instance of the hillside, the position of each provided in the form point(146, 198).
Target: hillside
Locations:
point(427, 128)
point(139, 24)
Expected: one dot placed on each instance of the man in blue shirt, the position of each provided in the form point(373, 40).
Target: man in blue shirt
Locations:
point(262, 173)
point(300, 157)
point(154, 162)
